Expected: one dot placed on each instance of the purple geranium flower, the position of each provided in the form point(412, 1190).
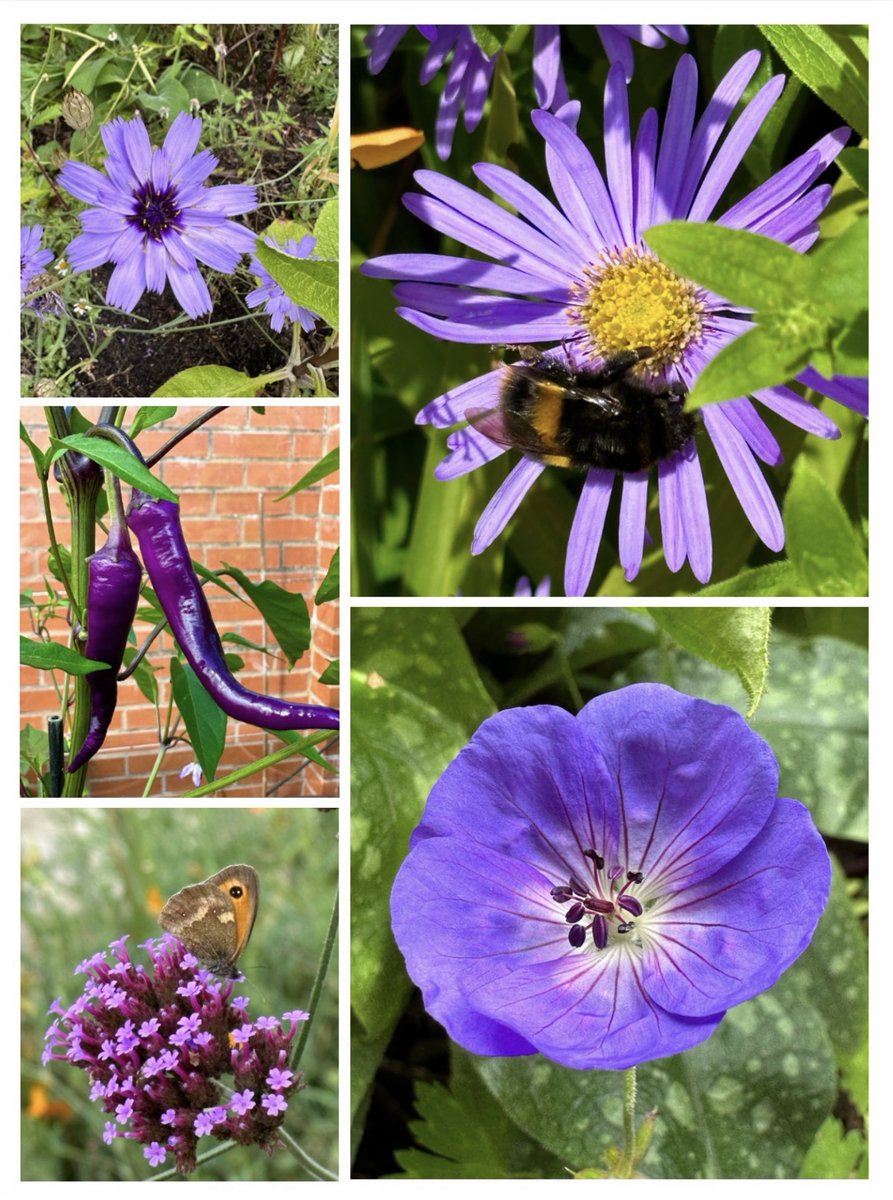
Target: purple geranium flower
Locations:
point(33, 258)
point(577, 272)
point(278, 306)
point(601, 888)
point(155, 1049)
point(471, 70)
point(153, 216)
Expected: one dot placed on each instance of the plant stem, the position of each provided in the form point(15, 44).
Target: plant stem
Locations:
point(316, 990)
point(626, 1168)
point(269, 760)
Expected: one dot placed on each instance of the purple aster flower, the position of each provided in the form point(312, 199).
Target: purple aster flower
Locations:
point(548, 73)
point(470, 70)
point(33, 258)
point(278, 306)
point(576, 272)
point(153, 217)
point(601, 888)
point(155, 1052)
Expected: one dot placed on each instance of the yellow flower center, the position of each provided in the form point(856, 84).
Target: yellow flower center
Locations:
point(631, 299)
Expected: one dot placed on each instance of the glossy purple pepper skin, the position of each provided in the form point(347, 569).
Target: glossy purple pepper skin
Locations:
point(113, 591)
point(156, 524)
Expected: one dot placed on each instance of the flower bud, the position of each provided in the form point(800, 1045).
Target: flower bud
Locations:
point(77, 110)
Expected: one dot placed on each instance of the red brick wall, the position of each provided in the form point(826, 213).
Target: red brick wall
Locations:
point(227, 476)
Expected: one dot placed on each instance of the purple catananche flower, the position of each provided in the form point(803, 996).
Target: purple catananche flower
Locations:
point(33, 258)
point(153, 217)
point(155, 1044)
point(602, 887)
point(278, 306)
point(576, 273)
point(470, 70)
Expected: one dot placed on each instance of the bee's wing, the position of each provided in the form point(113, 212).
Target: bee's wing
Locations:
point(506, 429)
point(607, 406)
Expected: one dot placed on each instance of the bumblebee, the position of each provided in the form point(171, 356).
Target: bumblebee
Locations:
point(606, 418)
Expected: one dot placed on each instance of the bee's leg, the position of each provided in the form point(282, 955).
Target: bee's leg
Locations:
point(673, 391)
point(528, 354)
point(616, 365)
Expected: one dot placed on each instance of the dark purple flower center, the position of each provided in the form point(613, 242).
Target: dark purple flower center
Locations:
point(156, 210)
point(601, 904)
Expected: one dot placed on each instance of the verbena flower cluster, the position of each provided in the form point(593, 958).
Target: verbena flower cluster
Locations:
point(155, 1044)
point(576, 272)
point(601, 888)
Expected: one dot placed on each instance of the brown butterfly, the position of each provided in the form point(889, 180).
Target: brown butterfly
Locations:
point(214, 919)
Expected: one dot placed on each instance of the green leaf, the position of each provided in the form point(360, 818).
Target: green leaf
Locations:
point(330, 587)
point(830, 63)
point(144, 675)
point(463, 1134)
point(309, 282)
point(284, 612)
point(205, 721)
point(834, 1153)
point(854, 160)
point(832, 973)
point(34, 746)
point(734, 639)
point(238, 640)
point(814, 715)
point(326, 230)
point(745, 1104)
point(789, 294)
point(49, 656)
point(211, 382)
point(331, 674)
point(326, 466)
point(423, 652)
point(399, 747)
point(36, 453)
point(824, 548)
point(118, 460)
point(487, 38)
point(151, 414)
point(775, 579)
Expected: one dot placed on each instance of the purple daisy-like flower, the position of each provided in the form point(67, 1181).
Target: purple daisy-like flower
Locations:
point(601, 888)
point(577, 272)
point(155, 1044)
point(470, 70)
point(154, 218)
point(548, 73)
point(33, 258)
point(278, 306)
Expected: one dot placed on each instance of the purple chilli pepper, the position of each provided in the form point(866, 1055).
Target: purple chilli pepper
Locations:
point(113, 591)
point(156, 524)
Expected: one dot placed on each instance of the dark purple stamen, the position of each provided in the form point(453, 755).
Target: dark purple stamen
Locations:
point(606, 902)
point(156, 210)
